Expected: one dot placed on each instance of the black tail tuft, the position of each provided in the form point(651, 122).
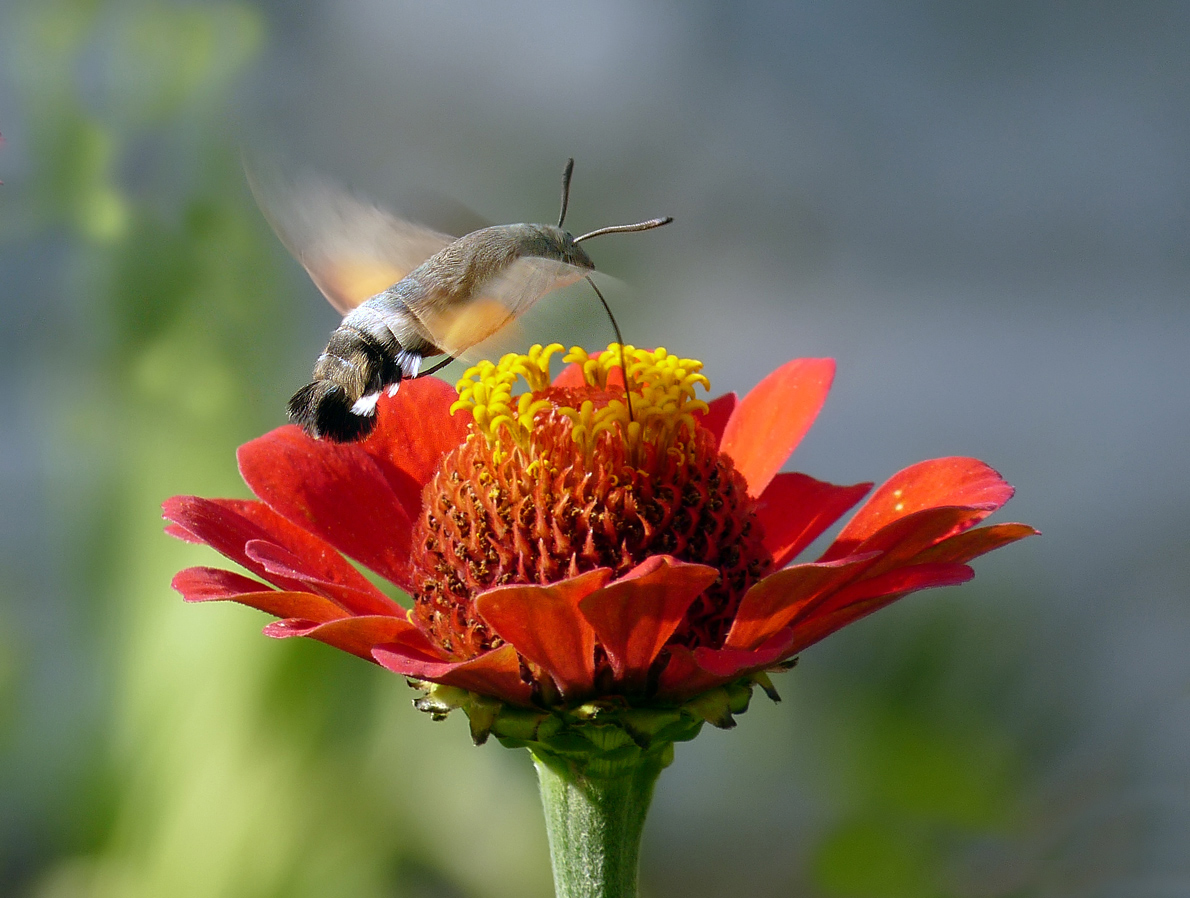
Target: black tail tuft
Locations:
point(322, 409)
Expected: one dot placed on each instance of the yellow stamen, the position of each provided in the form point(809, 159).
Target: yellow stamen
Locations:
point(662, 407)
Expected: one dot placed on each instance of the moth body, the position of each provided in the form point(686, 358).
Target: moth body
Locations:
point(386, 338)
point(408, 293)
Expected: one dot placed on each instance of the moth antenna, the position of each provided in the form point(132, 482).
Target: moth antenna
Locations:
point(628, 228)
point(620, 343)
point(566, 173)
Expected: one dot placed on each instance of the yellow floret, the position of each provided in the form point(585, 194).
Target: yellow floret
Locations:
point(662, 396)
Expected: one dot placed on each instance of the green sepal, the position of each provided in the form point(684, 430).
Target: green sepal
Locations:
point(599, 737)
point(762, 680)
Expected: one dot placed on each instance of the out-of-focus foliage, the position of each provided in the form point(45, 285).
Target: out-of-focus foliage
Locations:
point(931, 776)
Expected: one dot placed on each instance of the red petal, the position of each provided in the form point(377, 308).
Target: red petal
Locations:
point(544, 624)
point(774, 602)
point(904, 540)
point(414, 429)
point(219, 524)
point(862, 598)
point(728, 663)
point(497, 673)
point(335, 490)
point(928, 484)
point(178, 532)
point(689, 673)
point(772, 419)
point(319, 565)
point(973, 543)
point(795, 509)
point(571, 377)
point(357, 635)
point(230, 525)
point(684, 677)
point(279, 603)
point(212, 584)
point(357, 599)
point(635, 615)
point(719, 411)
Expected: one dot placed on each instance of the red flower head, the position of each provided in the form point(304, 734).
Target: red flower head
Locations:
point(562, 547)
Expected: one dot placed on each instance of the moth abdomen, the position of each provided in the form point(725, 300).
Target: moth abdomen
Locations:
point(323, 409)
point(340, 403)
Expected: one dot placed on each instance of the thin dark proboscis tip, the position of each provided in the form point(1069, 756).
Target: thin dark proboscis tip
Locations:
point(620, 341)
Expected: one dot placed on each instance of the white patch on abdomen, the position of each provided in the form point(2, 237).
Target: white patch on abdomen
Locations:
point(365, 406)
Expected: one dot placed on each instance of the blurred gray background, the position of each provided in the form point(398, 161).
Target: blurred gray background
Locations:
point(980, 211)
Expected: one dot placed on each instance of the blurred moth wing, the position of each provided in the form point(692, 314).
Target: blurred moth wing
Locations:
point(351, 249)
point(464, 327)
point(354, 250)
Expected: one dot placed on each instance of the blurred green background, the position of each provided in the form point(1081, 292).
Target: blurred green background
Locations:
point(979, 210)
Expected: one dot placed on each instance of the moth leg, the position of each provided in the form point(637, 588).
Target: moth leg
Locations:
point(446, 361)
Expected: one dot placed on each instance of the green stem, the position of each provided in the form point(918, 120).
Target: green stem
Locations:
point(595, 823)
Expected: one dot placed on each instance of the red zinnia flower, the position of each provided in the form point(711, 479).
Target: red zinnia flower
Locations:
point(561, 547)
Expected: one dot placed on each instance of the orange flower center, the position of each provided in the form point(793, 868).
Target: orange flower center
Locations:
point(562, 480)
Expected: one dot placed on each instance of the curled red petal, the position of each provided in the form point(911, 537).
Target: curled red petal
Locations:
point(635, 615)
point(414, 429)
point(928, 484)
point(496, 673)
point(771, 420)
point(321, 566)
point(335, 490)
point(357, 635)
point(718, 413)
point(545, 625)
point(691, 672)
point(795, 509)
point(777, 600)
point(230, 526)
point(212, 584)
point(728, 663)
point(903, 541)
point(281, 603)
point(973, 543)
point(357, 599)
point(219, 524)
point(866, 596)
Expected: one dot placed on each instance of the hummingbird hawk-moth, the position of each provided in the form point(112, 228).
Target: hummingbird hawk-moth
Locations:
point(408, 293)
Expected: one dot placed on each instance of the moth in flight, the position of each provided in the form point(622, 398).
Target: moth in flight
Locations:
point(408, 293)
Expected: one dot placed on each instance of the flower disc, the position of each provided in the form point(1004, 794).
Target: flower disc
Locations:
point(576, 482)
